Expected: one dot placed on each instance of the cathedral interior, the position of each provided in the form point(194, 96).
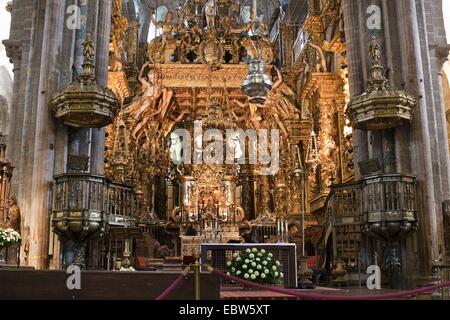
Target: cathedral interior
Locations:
point(122, 114)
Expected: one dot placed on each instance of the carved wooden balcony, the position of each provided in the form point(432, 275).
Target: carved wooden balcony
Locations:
point(390, 206)
point(85, 205)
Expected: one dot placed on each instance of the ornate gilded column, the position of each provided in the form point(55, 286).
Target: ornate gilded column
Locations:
point(263, 195)
point(326, 98)
point(247, 184)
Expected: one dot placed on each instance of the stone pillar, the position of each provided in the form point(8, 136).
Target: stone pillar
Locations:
point(24, 49)
point(357, 73)
point(103, 28)
point(45, 132)
point(14, 53)
point(427, 163)
point(409, 30)
point(144, 20)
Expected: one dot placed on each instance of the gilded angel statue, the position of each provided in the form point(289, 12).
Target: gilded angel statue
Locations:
point(279, 97)
point(155, 101)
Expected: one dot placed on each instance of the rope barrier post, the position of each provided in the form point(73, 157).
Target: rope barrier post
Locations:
point(196, 256)
point(175, 284)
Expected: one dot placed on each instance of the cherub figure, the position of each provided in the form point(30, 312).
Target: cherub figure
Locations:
point(271, 112)
point(278, 97)
point(251, 116)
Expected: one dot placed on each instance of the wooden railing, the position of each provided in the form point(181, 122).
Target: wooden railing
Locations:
point(344, 216)
point(442, 271)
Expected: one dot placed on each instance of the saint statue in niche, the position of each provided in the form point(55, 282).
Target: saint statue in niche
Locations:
point(176, 147)
point(13, 216)
point(234, 145)
point(210, 11)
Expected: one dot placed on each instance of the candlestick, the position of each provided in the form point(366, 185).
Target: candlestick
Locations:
point(278, 227)
point(286, 230)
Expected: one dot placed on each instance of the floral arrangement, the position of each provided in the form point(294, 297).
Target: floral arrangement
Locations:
point(9, 237)
point(129, 269)
point(255, 265)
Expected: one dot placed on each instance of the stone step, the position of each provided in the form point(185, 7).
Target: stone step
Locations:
point(171, 267)
point(173, 260)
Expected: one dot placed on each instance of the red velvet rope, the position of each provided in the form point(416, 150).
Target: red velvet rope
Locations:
point(174, 285)
point(312, 296)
